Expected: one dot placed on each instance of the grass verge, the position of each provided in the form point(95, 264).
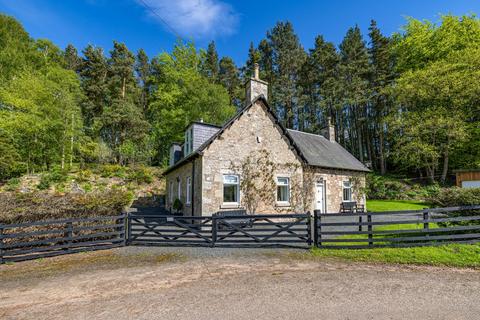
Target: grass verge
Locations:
point(453, 255)
point(394, 205)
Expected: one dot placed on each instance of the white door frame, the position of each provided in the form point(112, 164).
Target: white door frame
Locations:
point(322, 184)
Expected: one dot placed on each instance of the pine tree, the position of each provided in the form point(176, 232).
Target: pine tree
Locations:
point(381, 78)
point(143, 70)
point(266, 64)
point(211, 66)
point(93, 75)
point(354, 71)
point(121, 66)
point(228, 76)
point(288, 58)
point(253, 57)
point(72, 60)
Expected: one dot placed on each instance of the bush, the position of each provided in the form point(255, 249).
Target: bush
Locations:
point(113, 170)
point(455, 196)
point(45, 182)
point(390, 188)
point(38, 206)
point(12, 184)
point(140, 175)
point(177, 205)
point(84, 175)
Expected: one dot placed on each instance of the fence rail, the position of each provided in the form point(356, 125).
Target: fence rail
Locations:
point(241, 230)
point(427, 227)
point(25, 241)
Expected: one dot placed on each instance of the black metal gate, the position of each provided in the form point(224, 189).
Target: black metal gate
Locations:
point(232, 231)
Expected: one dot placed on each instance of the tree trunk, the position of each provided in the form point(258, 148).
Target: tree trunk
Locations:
point(72, 139)
point(383, 168)
point(445, 166)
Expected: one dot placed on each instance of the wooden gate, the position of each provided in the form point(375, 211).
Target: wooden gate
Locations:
point(231, 231)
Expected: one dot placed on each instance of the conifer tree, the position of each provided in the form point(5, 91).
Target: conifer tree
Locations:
point(72, 60)
point(210, 67)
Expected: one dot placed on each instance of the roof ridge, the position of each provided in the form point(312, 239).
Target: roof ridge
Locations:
point(312, 134)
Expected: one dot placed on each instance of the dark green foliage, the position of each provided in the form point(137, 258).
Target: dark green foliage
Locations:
point(177, 205)
point(210, 65)
point(455, 196)
point(113, 170)
point(391, 188)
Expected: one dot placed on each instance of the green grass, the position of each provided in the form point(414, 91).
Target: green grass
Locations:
point(394, 205)
point(453, 255)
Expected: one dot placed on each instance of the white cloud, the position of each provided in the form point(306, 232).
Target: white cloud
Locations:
point(194, 18)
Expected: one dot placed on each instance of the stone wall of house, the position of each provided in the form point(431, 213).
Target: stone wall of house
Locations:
point(333, 181)
point(180, 176)
point(252, 132)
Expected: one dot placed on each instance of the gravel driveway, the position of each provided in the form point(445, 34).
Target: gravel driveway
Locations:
point(195, 283)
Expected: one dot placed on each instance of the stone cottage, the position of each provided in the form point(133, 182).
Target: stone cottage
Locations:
point(254, 163)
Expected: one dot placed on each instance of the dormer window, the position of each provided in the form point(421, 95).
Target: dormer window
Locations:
point(188, 148)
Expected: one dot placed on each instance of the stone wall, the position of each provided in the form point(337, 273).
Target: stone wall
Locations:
point(252, 132)
point(333, 181)
point(180, 176)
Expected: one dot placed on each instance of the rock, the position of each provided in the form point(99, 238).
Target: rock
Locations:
point(75, 188)
point(24, 190)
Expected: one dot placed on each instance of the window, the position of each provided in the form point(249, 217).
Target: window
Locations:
point(231, 189)
point(188, 142)
point(179, 189)
point(188, 191)
point(171, 192)
point(283, 189)
point(347, 191)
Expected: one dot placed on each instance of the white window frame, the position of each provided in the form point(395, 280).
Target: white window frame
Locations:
point(179, 189)
point(171, 192)
point(282, 185)
point(235, 184)
point(188, 184)
point(347, 185)
point(188, 141)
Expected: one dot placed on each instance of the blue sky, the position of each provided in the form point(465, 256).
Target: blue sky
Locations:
point(232, 24)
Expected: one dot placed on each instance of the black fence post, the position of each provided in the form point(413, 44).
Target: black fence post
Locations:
point(360, 227)
point(1, 245)
point(370, 233)
point(317, 236)
point(309, 228)
point(121, 229)
point(426, 224)
point(69, 235)
point(214, 229)
point(129, 230)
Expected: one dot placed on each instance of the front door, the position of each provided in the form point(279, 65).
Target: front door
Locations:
point(320, 197)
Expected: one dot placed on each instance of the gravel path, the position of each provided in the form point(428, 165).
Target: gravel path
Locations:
point(194, 283)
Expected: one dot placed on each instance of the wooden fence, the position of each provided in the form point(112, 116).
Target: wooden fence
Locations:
point(248, 231)
point(409, 228)
point(25, 241)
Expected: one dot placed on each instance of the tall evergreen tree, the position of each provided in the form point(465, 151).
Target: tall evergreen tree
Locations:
point(382, 76)
point(288, 58)
point(228, 76)
point(143, 70)
point(72, 60)
point(354, 70)
point(93, 75)
point(266, 64)
point(253, 57)
point(211, 66)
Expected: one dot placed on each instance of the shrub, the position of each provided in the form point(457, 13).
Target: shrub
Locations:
point(113, 170)
point(177, 205)
point(84, 175)
point(140, 174)
point(57, 174)
point(12, 184)
point(45, 182)
point(455, 196)
point(38, 206)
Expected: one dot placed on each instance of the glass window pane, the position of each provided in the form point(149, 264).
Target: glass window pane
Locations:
point(282, 193)
point(282, 181)
point(230, 193)
point(230, 179)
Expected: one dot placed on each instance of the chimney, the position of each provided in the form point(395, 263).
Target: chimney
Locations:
point(255, 87)
point(330, 130)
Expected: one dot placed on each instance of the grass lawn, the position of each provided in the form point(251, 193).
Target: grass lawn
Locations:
point(452, 255)
point(394, 205)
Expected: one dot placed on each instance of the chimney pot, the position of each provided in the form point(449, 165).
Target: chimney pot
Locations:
point(256, 71)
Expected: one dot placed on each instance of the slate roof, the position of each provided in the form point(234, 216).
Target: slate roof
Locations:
point(321, 152)
point(314, 150)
